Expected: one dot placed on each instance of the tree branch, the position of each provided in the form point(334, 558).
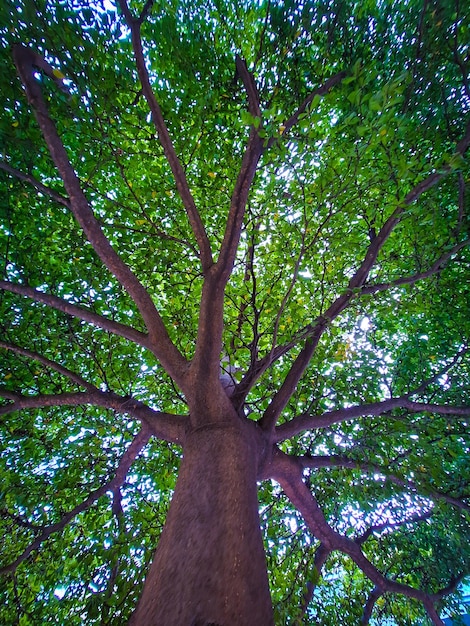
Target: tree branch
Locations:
point(238, 202)
point(250, 86)
point(322, 90)
point(307, 421)
point(75, 378)
point(451, 587)
point(156, 228)
point(35, 183)
point(20, 521)
point(212, 301)
point(139, 442)
point(239, 199)
point(166, 426)
point(378, 242)
point(116, 328)
point(315, 462)
point(356, 284)
point(288, 473)
point(210, 328)
point(435, 377)
point(250, 161)
point(374, 595)
point(145, 11)
point(182, 186)
point(281, 398)
point(435, 268)
point(387, 525)
point(321, 556)
point(159, 340)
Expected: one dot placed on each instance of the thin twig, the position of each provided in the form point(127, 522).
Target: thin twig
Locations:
point(36, 184)
point(78, 380)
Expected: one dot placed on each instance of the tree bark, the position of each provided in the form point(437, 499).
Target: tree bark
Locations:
point(209, 567)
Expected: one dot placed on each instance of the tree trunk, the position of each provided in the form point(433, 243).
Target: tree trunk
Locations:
point(209, 567)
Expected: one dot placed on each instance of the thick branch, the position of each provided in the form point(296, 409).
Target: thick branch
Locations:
point(374, 409)
point(116, 328)
point(47, 191)
point(159, 339)
point(140, 440)
point(451, 587)
point(281, 398)
point(288, 472)
point(250, 86)
point(428, 604)
point(165, 139)
point(163, 425)
point(321, 556)
point(238, 202)
point(212, 301)
point(251, 158)
point(369, 606)
point(209, 343)
point(239, 199)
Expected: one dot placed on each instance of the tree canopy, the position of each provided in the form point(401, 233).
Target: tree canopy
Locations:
point(270, 194)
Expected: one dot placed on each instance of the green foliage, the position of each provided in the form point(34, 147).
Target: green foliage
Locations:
point(323, 191)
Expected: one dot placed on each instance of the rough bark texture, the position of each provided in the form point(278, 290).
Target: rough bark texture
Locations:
point(210, 567)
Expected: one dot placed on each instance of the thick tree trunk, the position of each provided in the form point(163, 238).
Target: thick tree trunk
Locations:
point(209, 567)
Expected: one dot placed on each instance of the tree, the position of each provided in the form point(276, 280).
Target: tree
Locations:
point(235, 241)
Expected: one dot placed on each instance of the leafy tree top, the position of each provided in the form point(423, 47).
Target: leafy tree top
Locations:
point(258, 207)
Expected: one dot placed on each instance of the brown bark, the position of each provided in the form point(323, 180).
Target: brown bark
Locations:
point(158, 338)
point(209, 566)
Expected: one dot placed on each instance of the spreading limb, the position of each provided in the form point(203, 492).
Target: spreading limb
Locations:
point(288, 472)
point(179, 174)
point(161, 344)
point(166, 426)
point(139, 442)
